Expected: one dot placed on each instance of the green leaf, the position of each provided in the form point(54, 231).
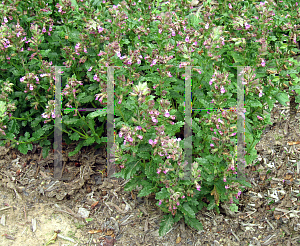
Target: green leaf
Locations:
point(282, 98)
point(163, 194)
point(211, 205)
point(144, 155)
point(166, 225)
point(187, 210)
point(255, 103)
point(193, 222)
point(270, 102)
point(74, 3)
point(237, 58)
point(89, 141)
point(2, 108)
point(97, 113)
point(74, 136)
point(83, 98)
point(23, 148)
point(24, 123)
point(251, 156)
point(177, 217)
point(45, 152)
point(145, 191)
point(68, 121)
point(76, 150)
point(234, 208)
point(45, 53)
point(38, 133)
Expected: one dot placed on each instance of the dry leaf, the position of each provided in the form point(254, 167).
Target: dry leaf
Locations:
point(94, 231)
point(94, 204)
point(293, 143)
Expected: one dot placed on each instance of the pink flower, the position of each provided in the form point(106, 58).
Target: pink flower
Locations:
point(219, 120)
point(198, 187)
point(230, 6)
point(222, 90)
point(260, 118)
point(263, 63)
point(140, 137)
point(153, 63)
point(152, 142)
point(167, 114)
point(212, 145)
point(226, 187)
point(154, 120)
point(224, 179)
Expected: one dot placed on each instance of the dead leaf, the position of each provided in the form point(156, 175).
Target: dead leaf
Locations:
point(109, 241)
point(109, 232)
point(293, 143)
point(8, 237)
point(94, 231)
point(94, 204)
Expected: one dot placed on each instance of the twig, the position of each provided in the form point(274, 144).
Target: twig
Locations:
point(235, 235)
point(266, 242)
point(270, 224)
point(114, 205)
point(5, 208)
point(251, 213)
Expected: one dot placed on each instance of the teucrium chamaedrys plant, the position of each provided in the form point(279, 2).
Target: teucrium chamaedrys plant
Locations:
point(73, 34)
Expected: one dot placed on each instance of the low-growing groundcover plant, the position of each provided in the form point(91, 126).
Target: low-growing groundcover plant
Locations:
point(149, 110)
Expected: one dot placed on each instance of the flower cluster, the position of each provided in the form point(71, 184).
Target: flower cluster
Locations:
point(252, 85)
point(70, 91)
point(219, 83)
point(50, 111)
